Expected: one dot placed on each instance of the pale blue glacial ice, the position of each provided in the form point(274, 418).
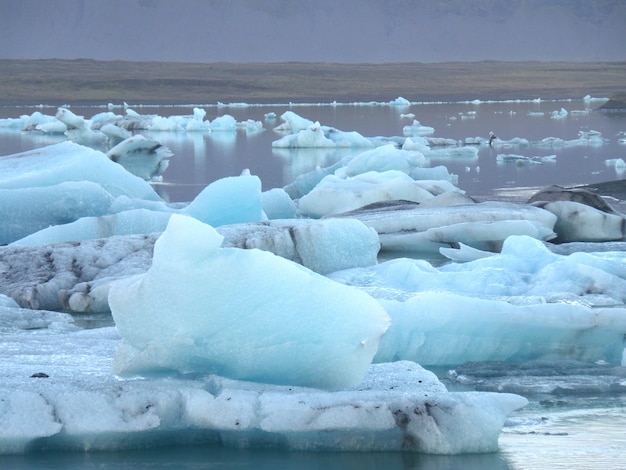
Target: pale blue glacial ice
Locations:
point(192, 318)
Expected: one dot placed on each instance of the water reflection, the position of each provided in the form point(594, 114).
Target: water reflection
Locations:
point(220, 458)
point(526, 128)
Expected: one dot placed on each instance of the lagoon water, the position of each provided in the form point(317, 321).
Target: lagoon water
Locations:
point(200, 158)
point(562, 430)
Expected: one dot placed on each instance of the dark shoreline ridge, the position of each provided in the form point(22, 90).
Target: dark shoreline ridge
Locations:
point(84, 81)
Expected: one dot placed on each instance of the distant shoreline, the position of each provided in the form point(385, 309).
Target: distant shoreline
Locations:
point(56, 82)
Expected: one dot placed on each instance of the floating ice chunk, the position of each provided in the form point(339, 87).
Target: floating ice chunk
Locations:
point(277, 204)
point(80, 405)
point(400, 101)
point(142, 157)
point(78, 274)
point(199, 114)
point(442, 142)
point(525, 272)
point(347, 139)
point(228, 200)
point(25, 211)
point(115, 134)
point(417, 129)
point(13, 318)
point(323, 246)
point(523, 304)
point(251, 126)
point(52, 127)
point(164, 124)
point(68, 161)
point(311, 137)
point(439, 173)
point(136, 221)
point(464, 253)
point(579, 222)
point(386, 157)
point(618, 163)
point(561, 114)
point(293, 123)
point(417, 143)
point(224, 123)
point(514, 142)
point(405, 227)
point(335, 195)
point(524, 160)
point(541, 377)
point(59, 184)
point(304, 183)
point(428, 328)
point(79, 130)
point(487, 235)
point(185, 314)
point(457, 153)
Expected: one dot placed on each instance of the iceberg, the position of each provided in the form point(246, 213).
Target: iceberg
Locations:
point(76, 276)
point(61, 401)
point(423, 228)
point(525, 303)
point(580, 222)
point(27, 210)
point(334, 195)
point(230, 200)
point(67, 161)
point(243, 320)
point(185, 314)
point(386, 157)
point(73, 211)
point(312, 136)
point(134, 221)
point(142, 157)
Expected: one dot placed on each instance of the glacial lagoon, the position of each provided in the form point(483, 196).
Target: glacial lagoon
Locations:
point(575, 422)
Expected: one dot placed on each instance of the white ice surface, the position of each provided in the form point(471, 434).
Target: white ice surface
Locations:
point(81, 406)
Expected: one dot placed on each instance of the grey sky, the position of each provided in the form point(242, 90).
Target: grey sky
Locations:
point(314, 30)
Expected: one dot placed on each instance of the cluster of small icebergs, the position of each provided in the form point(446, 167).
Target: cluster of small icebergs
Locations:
point(250, 318)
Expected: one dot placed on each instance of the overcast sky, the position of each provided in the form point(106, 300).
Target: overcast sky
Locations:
point(314, 30)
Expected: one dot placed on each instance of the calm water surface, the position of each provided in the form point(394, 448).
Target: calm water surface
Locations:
point(581, 432)
point(200, 158)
